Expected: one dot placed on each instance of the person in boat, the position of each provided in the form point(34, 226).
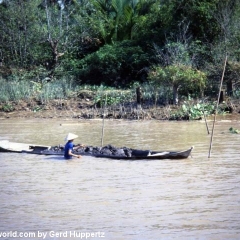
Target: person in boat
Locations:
point(69, 146)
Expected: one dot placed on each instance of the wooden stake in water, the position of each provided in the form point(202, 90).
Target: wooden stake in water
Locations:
point(205, 121)
point(220, 88)
point(103, 120)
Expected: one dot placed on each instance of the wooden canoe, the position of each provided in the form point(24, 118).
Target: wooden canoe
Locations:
point(7, 146)
point(133, 154)
point(151, 155)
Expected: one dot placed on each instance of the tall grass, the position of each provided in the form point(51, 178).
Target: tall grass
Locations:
point(121, 103)
point(112, 97)
point(16, 89)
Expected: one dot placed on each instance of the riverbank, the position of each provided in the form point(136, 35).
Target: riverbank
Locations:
point(75, 108)
point(80, 109)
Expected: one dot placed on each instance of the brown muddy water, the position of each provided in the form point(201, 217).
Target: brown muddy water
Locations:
point(46, 197)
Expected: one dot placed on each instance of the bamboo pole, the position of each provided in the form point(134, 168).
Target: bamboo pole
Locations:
point(206, 122)
point(220, 88)
point(103, 121)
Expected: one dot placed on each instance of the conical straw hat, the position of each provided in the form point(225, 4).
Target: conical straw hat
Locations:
point(71, 136)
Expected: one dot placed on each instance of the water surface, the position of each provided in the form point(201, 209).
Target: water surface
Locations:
point(195, 198)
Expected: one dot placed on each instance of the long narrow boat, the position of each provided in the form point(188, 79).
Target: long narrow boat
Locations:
point(104, 152)
point(7, 146)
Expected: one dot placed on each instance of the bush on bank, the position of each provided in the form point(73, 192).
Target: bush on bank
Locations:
point(118, 103)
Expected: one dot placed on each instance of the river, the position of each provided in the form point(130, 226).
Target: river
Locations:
point(46, 197)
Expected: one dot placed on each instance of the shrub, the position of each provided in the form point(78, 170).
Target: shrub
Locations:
point(181, 78)
point(114, 65)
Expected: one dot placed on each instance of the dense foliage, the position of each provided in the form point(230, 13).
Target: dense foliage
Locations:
point(175, 45)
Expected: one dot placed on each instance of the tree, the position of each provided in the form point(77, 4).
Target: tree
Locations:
point(18, 31)
point(42, 33)
point(166, 17)
point(114, 65)
point(116, 19)
point(227, 16)
point(179, 76)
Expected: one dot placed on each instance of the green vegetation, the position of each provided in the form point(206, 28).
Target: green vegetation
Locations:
point(8, 108)
point(176, 76)
point(233, 130)
point(113, 97)
point(173, 49)
point(15, 90)
point(193, 111)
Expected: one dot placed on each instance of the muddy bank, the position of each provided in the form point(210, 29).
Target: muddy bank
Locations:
point(76, 108)
point(73, 108)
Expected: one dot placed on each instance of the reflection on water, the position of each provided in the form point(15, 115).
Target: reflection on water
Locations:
point(196, 198)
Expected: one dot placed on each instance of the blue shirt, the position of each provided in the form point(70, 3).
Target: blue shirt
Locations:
point(68, 146)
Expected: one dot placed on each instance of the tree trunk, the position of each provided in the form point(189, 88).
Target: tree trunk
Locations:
point(139, 97)
point(229, 87)
point(52, 63)
point(175, 94)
